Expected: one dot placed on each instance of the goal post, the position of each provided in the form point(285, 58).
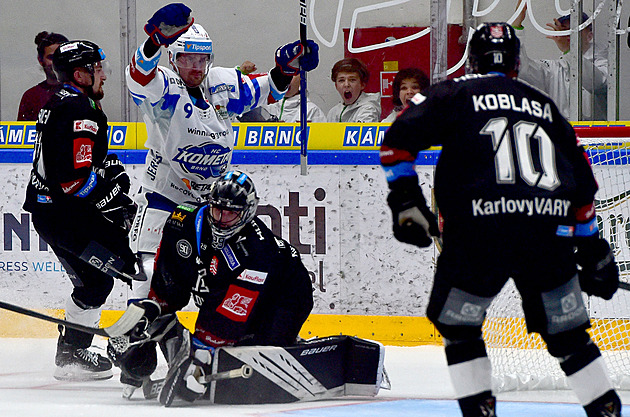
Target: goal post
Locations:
point(520, 361)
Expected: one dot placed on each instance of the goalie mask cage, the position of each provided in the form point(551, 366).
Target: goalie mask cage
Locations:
point(520, 361)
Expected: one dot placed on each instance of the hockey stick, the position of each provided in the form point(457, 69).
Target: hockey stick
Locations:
point(624, 286)
point(151, 388)
point(123, 325)
point(303, 121)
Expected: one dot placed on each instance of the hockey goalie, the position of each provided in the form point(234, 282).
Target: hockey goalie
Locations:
point(253, 294)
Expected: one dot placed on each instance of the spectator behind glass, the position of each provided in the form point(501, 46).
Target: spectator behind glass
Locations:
point(35, 97)
point(553, 75)
point(407, 83)
point(350, 77)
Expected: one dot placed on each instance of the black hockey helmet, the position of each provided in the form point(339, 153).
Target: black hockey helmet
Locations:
point(75, 54)
point(494, 47)
point(233, 192)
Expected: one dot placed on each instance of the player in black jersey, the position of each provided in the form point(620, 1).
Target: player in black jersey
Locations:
point(515, 191)
point(77, 197)
point(250, 286)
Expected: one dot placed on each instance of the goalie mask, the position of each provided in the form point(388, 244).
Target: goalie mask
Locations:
point(191, 55)
point(494, 47)
point(232, 204)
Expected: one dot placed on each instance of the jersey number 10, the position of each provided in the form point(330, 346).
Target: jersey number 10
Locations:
point(524, 132)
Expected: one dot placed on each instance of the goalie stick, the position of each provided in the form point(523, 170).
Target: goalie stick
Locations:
point(303, 121)
point(123, 325)
point(151, 388)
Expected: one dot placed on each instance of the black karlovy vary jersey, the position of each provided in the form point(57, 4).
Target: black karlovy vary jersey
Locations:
point(71, 141)
point(506, 150)
point(255, 291)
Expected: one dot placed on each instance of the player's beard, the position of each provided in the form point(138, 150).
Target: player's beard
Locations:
point(195, 78)
point(96, 94)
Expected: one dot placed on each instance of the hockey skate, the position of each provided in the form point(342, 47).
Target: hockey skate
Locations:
point(80, 364)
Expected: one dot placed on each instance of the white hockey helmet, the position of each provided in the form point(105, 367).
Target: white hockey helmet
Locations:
point(194, 41)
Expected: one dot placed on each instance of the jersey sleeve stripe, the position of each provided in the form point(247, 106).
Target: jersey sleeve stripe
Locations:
point(244, 99)
point(256, 92)
point(395, 172)
point(391, 156)
point(88, 187)
point(138, 73)
point(587, 229)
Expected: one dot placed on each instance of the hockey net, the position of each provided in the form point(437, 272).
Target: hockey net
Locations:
point(520, 361)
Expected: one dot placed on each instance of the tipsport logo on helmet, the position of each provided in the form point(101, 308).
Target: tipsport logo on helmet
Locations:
point(205, 160)
point(198, 47)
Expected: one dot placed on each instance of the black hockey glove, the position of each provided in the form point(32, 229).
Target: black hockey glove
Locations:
point(598, 272)
point(114, 171)
point(135, 352)
point(119, 210)
point(165, 26)
point(413, 222)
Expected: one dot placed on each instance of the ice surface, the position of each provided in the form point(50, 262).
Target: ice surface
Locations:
point(419, 377)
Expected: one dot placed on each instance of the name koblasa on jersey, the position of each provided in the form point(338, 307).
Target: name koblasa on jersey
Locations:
point(486, 102)
point(539, 206)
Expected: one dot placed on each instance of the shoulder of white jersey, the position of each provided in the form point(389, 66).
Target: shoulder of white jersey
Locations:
point(220, 79)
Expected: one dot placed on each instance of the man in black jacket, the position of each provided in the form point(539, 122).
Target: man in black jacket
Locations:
point(77, 197)
point(250, 286)
point(515, 192)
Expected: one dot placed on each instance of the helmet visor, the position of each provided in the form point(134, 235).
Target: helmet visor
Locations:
point(193, 61)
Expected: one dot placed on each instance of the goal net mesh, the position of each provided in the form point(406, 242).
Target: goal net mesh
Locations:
point(520, 361)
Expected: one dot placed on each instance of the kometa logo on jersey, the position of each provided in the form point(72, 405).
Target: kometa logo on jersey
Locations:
point(205, 161)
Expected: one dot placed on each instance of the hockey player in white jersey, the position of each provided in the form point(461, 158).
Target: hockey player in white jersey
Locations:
point(188, 110)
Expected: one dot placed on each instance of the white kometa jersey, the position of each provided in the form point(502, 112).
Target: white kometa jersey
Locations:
point(190, 147)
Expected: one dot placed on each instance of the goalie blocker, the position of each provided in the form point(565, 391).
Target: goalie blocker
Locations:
point(316, 369)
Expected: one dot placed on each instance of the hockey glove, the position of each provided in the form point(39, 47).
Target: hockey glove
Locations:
point(114, 171)
point(120, 211)
point(310, 60)
point(598, 275)
point(189, 362)
point(287, 57)
point(414, 223)
point(165, 26)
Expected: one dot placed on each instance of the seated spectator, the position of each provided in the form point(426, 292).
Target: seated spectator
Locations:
point(350, 77)
point(407, 83)
point(35, 97)
point(288, 109)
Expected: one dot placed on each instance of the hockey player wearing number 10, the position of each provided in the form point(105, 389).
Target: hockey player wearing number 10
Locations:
point(188, 111)
point(515, 191)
